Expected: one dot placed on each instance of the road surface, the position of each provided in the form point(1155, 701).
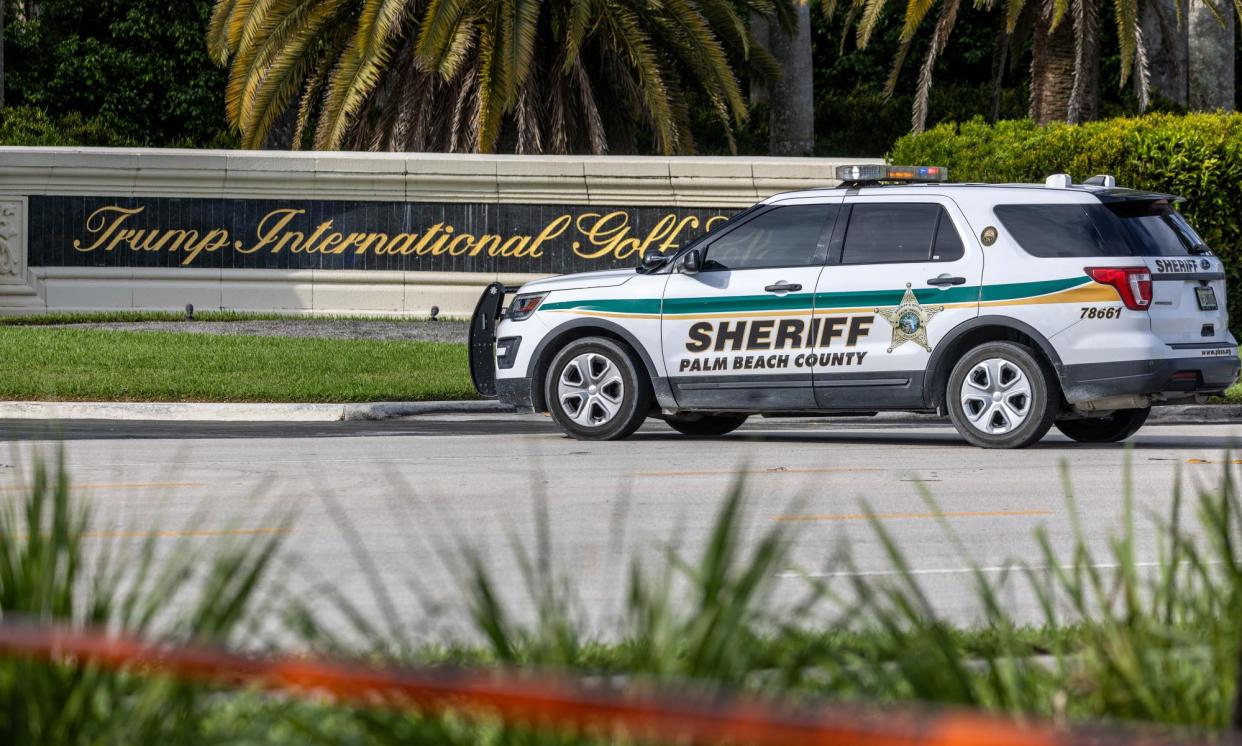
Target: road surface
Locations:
point(406, 495)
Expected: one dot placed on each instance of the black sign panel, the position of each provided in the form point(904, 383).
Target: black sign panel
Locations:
point(331, 234)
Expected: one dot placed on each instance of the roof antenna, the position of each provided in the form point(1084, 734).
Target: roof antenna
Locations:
point(1059, 181)
point(1102, 180)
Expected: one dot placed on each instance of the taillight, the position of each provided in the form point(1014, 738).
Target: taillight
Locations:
point(1133, 284)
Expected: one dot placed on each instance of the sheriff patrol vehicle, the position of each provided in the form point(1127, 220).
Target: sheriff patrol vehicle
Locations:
point(1010, 308)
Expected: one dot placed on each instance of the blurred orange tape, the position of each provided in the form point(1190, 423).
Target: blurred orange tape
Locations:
point(548, 702)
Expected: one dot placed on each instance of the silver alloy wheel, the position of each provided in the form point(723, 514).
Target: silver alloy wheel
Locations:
point(590, 389)
point(996, 396)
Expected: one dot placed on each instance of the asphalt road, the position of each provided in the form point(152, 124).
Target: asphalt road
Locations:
point(398, 499)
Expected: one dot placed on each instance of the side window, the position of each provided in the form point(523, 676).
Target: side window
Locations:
point(1061, 231)
point(784, 237)
point(900, 232)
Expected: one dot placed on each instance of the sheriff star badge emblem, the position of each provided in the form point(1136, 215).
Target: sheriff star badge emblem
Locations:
point(909, 320)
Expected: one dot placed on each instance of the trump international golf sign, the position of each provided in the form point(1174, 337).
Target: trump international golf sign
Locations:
point(332, 234)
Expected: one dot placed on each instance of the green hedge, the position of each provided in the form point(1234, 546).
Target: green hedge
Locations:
point(1196, 156)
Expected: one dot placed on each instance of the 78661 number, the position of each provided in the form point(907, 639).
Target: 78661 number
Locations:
point(1091, 312)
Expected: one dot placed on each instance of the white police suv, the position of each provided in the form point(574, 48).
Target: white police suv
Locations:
point(1010, 308)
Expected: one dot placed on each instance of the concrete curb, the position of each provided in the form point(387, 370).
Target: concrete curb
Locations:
point(170, 411)
point(238, 412)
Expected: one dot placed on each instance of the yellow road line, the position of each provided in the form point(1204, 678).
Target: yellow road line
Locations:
point(904, 516)
point(1207, 461)
point(114, 486)
point(730, 472)
point(176, 534)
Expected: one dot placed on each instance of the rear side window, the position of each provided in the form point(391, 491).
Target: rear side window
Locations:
point(900, 232)
point(783, 237)
point(1155, 229)
point(1115, 229)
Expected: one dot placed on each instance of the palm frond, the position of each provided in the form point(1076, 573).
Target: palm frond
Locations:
point(281, 67)
point(1126, 13)
point(627, 38)
point(871, 10)
point(218, 46)
point(437, 32)
point(578, 19)
point(1142, 73)
point(1086, 32)
point(246, 69)
point(594, 123)
point(359, 68)
point(916, 11)
point(940, 38)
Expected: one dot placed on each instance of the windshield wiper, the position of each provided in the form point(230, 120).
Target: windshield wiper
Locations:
point(1200, 248)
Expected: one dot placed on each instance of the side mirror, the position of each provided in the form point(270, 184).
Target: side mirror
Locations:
point(652, 262)
point(691, 262)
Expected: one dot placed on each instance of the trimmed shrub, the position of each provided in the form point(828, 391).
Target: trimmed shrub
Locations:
point(1196, 156)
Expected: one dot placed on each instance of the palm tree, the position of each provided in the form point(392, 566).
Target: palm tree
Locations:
point(558, 76)
point(1064, 54)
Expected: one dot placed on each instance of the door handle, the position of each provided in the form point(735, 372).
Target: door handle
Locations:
point(783, 287)
point(945, 280)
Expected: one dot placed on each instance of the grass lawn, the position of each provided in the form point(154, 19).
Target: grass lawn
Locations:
point(96, 365)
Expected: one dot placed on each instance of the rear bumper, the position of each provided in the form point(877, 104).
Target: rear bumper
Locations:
point(1183, 375)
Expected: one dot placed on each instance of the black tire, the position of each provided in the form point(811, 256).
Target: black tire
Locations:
point(1112, 428)
point(705, 425)
point(625, 398)
point(1022, 406)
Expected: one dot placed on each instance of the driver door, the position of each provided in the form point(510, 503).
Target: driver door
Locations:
point(734, 332)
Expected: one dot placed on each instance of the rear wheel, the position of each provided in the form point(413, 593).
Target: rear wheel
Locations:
point(705, 425)
point(1112, 428)
point(595, 390)
point(1002, 395)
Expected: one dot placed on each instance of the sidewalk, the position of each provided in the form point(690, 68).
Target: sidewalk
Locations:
point(1194, 414)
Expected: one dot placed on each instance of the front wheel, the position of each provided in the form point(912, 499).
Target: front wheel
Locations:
point(705, 425)
point(1112, 428)
point(1002, 395)
point(595, 390)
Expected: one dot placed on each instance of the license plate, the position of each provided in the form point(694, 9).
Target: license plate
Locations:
point(1206, 298)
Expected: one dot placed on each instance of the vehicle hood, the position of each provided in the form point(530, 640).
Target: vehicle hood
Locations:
point(604, 279)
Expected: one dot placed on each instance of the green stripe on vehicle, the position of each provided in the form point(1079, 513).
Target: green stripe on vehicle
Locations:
point(805, 301)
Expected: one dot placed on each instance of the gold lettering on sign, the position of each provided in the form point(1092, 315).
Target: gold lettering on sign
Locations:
point(601, 235)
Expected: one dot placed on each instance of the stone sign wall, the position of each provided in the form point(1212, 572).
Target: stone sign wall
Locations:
point(102, 229)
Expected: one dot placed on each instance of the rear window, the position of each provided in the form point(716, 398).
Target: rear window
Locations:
point(1114, 229)
point(1155, 229)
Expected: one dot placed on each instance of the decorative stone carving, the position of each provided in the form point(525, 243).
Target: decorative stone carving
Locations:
point(12, 250)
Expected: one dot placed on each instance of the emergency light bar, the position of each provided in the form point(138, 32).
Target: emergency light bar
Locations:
point(877, 173)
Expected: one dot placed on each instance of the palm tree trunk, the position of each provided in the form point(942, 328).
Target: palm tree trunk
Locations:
point(1052, 73)
point(792, 98)
point(1211, 54)
point(1164, 34)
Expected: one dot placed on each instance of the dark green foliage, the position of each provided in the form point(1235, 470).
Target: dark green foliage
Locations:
point(1196, 156)
point(115, 72)
point(26, 125)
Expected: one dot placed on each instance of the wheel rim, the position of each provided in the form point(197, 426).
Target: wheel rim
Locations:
point(996, 396)
point(590, 389)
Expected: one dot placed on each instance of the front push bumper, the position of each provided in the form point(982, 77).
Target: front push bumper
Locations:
point(517, 392)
